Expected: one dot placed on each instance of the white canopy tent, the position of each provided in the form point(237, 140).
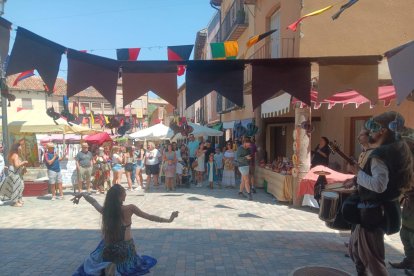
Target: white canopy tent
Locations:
point(161, 132)
point(198, 131)
point(155, 132)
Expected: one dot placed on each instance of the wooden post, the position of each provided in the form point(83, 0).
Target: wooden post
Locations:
point(301, 145)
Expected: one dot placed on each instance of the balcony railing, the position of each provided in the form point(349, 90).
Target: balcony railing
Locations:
point(234, 22)
point(287, 50)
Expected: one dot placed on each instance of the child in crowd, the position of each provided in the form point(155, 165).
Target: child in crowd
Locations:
point(179, 171)
point(211, 171)
point(218, 158)
point(169, 175)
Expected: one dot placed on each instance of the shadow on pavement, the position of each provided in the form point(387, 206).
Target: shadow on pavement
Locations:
point(180, 251)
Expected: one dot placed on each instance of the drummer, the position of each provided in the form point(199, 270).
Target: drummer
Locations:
point(367, 147)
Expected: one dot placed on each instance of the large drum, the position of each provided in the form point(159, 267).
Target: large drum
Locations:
point(329, 206)
point(335, 210)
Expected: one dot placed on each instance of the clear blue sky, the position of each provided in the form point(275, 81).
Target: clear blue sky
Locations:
point(103, 25)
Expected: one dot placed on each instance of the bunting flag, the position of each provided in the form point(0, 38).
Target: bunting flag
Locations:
point(224, 50)
point(92, 118)
point(86, 70)
point(130, 54)
point(102, 120)
point(75, 108)
point(5, 27)
point(22, 76)
point(254, 39)
point(159, 77)
point(180, 53)
point(270, 78)
point(226, 78)
point(84, 120)
point(31, 51)
point(106, 119)
point(295, 24)
point(83, 109)
point(343, 8)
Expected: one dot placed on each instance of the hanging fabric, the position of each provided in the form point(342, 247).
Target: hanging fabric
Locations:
point(224, 77)
point(85, 70)
point(31, 51)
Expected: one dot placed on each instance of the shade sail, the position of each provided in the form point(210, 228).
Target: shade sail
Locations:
point(385, 94)
point(32, 121)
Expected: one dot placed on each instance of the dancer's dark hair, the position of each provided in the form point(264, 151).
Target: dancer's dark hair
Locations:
point(112, 215)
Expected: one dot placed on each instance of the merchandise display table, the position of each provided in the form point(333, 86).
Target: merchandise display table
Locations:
point(279, 185)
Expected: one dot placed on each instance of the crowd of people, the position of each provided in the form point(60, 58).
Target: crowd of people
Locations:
point(192, 162)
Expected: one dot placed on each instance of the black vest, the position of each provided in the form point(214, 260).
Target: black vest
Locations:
point(391, 157)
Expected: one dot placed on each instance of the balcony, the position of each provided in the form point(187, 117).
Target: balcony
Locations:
point(285, 48)
point(234, 23)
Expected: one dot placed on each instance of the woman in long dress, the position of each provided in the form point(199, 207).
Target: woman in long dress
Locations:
point(229, 179)
point(116, 253)
point(13, 186)
point(200, 169)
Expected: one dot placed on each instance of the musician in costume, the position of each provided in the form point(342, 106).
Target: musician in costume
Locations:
point(407, 229)
point(388, 170)
point(321, 153)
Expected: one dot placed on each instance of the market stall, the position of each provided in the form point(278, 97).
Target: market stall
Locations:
point(279, 185)
point(29, 123)
point(307, 184)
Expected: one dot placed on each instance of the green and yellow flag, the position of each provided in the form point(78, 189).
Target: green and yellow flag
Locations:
point(254, 39)
point(92, 118)
point(225, 50)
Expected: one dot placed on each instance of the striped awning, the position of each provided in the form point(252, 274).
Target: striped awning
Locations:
point(276, 106)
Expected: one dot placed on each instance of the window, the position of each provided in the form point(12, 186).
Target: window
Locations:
point(96, 106)
point(275, 37)
point(27, 103)
point(107, 106)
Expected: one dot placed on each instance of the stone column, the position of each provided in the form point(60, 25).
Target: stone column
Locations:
point(302, 150)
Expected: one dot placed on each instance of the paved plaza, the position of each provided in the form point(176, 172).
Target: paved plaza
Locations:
point(216, 233)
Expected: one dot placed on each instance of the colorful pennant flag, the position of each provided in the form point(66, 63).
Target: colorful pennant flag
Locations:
point(295, 24)
point(106, 119)
point(254, 39)
point(179, 53)
point(102, 120)
point(130, 54)
point(225, 50)
point(92, 118)
point(75, 108)
point(22, 76)
point(343, 8)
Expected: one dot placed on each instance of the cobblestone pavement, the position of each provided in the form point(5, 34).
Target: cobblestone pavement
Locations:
point(217, 233)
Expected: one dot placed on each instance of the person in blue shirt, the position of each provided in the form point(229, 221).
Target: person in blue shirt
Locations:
point(53, 170)
point(192, 148)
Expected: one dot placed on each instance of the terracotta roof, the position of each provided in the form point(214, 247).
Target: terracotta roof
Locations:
point(35, 83)
point(157, 101)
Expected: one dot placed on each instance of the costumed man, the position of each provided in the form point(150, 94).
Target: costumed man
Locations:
point(365, 142)
point(387, 172)
point(407, 229)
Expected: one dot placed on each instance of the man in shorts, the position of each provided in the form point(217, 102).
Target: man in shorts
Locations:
point(192, 148)
point(53, 170)
point(84, 167)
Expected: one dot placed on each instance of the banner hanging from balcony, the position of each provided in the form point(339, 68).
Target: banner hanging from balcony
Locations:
point(401, 64)
point(86, 70)
point(31, 51)
point(5, 27)
point(159, 77)
point(129, 54)
point(224, 77)
point(255, 39)
point(180, 53)
point(269, 78)
point(343, 8)
point(225, 50)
